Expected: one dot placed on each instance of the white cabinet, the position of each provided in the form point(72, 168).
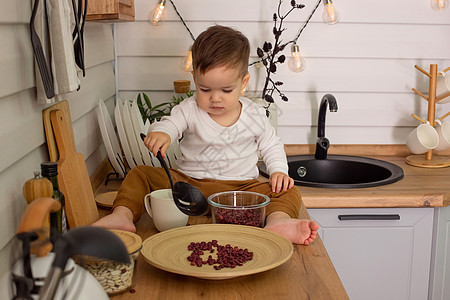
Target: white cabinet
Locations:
point(440, 263)
point(379, 253)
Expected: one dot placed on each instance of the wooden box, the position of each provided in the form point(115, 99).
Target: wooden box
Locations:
point(110, 10)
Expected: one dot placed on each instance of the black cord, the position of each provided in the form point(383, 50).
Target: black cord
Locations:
point(294, 41)
point(181, 18)
point(304, 25)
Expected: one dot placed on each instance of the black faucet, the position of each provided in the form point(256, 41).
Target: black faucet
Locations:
point(322, 143)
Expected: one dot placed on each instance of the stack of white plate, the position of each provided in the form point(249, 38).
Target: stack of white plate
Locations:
point(110, 140)
point(118, 113)
point(129, 127)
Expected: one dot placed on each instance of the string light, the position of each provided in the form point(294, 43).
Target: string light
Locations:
point(439, 5)
point(296, 63)
point(186, 64)
point(330, 14)
point(156, 15)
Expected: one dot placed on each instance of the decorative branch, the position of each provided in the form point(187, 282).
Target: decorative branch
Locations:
point(269, 55)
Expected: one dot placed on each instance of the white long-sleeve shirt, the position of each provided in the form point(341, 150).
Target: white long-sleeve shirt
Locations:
point(223, 153)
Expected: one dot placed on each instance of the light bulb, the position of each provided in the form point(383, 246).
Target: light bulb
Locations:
point(186, 64)
point(296, 63)
point(330, 14)
point(156, 15)
point(439, 5)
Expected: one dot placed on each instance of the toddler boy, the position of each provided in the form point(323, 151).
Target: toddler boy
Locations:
point(221, 135)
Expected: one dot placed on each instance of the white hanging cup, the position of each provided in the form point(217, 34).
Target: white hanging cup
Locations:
point(422, 139)
point(443, 131)
point(443, 87)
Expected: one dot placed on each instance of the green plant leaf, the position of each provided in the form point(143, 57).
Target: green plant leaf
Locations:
point(147, 99)
point(142, 109)
point(160, 105)
point(155, 113)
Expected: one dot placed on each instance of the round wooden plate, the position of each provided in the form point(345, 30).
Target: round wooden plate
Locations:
point(168, 250)
point(132, 241)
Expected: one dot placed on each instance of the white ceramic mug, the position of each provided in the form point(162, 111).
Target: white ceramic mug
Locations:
point(443, 87)
point(443, 130)
point(422, 139)
point(165, 214)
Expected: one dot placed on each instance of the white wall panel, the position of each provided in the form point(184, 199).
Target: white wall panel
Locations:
point(98, 84)
point(16, 59)
point(386, 109)
point(87, 133)
point(398, 41)
point(19, 135)
point(155, 96)
point(366, 61)
point(98, 41)
point(322, 74)
point(389, 109)
point(381, 11)
point(345, 135)
point(18, 11)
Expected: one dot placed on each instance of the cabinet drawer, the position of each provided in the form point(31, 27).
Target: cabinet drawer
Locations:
point(369, 217)
point(379, 253)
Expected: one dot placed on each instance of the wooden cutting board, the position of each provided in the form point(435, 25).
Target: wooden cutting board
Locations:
point(51, 143)
point(73, 177)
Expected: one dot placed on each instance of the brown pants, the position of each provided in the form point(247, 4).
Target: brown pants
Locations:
point(142, 180)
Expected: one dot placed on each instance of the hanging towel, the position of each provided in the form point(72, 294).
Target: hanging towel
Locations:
point(62, 57)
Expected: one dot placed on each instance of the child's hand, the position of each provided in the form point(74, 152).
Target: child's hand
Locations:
point(155, 141)
point(280, 181)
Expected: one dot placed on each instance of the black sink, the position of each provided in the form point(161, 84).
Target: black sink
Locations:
point(340, 171)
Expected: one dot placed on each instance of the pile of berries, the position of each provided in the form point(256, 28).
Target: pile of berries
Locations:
point(239, 216)
point(226, 256)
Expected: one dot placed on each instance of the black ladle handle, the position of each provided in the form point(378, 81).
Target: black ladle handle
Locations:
point(185, 192)
point(162, 162)
point(166, 168)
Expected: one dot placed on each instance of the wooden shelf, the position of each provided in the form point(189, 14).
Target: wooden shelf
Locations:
point(110, 10)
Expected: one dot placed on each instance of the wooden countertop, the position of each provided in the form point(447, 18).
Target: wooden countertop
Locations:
point(308, 274)
point(421, 187)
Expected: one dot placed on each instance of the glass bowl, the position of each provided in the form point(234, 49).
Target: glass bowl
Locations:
point(238, 207)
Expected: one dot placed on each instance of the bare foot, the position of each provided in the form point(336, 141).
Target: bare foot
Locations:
point(121, 218)
point(297, 231)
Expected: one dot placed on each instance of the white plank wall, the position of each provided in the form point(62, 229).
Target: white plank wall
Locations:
point(366, 61)
point(22, 138)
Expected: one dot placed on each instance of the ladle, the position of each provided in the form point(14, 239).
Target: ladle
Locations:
point(84, 240)
point(187, 198)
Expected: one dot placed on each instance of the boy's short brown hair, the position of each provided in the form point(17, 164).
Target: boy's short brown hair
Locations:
point(220, 46)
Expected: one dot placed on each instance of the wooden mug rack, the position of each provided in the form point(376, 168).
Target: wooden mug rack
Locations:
point(429, 160)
